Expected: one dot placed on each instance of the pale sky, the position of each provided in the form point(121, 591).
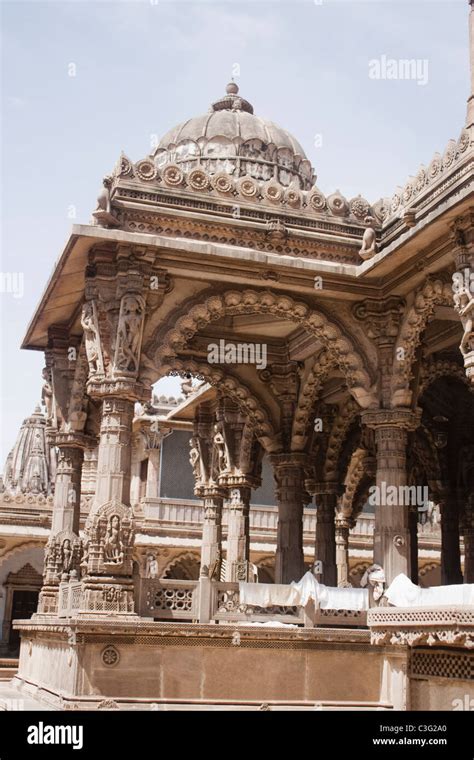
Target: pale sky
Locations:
point(142, 67)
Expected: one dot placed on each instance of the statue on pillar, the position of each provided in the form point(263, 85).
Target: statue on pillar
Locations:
point(129, 334)
point(90, 326)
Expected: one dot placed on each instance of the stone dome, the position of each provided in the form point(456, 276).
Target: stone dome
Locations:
point(231, 139)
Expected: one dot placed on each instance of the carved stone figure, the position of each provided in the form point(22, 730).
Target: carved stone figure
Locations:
point(103, 199)
point(47, 393)
point(92, 338)
point(369, 245)
point(195, 457)
point(464, 305)
point(113, 547)
point(187, 386)
point(152, 566)
point(129, 333)
point(66, 556)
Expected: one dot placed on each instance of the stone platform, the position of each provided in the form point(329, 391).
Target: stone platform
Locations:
point(90, 663)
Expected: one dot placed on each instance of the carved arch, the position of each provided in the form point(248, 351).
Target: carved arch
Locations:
point(359, 468)
point(250, 404)
point(309, 392)
point(433, 292)
point(433, 370)
point(347, 413)
point(234, 302)
point(188, 564)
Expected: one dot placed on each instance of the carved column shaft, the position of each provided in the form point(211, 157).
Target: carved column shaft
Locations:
point(392, 533)
point(413, 526)
point(153, 473)
point(211, 545)
point(67, 490)
point(291, 497)
point(238, 534)
point(325, 543)
point(469, 544)
point(114, 459)
point(392, 529)
point(342, 551)
point(451, 572)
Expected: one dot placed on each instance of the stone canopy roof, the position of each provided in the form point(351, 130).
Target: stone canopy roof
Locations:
point(229, 134)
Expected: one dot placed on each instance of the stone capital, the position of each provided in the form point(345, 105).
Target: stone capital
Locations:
point(402, 418)
point(73, 440)
point(382, 318)
point(119, 389)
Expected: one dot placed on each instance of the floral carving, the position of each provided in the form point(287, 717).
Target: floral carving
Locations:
point(338, 204)
point(248, 187)
point(198, 180)
point(222, 183)
point(359, 207)
point(173, 176)
point(146, 170)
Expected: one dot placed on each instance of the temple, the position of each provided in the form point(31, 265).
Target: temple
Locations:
point(326, 428)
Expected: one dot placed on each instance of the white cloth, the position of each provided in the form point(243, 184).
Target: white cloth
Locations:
point(329, 597)
point(268, 595)
point(403, 593)
point(344, 598)
point(298, 595)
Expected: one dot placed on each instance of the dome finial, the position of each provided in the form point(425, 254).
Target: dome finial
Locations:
point(232, 88)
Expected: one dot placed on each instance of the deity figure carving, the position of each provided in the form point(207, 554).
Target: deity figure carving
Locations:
point(223, 459)
point(369, 245)
point(66, 556)
point(47, 393)
point(195, 457)
point(109, 537)
point(113, 546)
point(62, 556)
point(92, 339)
point(464, 305)
point(129, 333)
point(151, 566)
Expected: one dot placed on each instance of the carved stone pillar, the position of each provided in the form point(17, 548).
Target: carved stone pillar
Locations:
point(469, 542)
point(451, 572)
point(237, 507)
point(211, 545)
point(342, 549)
point(326, 494)
point(114, 457)
point(289, 472)
point(107, 587)
point(153, 473)
point(63, 550)
point(67, 489)
point(392, 530)
point(413, 526)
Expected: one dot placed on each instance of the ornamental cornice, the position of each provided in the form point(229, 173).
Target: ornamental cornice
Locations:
point(449, 626)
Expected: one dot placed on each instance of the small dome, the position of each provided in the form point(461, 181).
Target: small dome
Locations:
point(231, 139)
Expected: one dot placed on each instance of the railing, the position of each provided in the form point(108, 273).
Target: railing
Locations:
point(226, 607)
point(169, 599)
point(69, 598)
point(208, 601)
